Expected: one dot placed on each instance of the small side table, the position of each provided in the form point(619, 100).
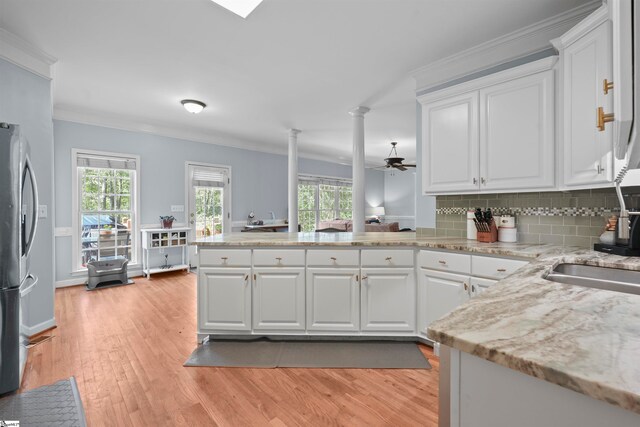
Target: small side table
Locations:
point(155, 239)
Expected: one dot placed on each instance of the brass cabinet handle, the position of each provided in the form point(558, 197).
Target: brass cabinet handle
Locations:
point(502, 270)
point(388, 258)
point(254, 277)
point(279, 258)
point(365, 277)
point(607, 86)
point(357, 278)
point(603, 118)
point(599, 169)
point(473, 289)
point(443, 262)
point(466, 287)
point(475, 181)
point(333, 258)
point(224, 258)
point(483, 181)
point(246, 277)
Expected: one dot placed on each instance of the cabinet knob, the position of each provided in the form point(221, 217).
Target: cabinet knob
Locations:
point(502, 270)
point(483, 181)
point(475, 181)
point(466, 287)
point(473, 289)
point(279, 258)
point(388, 258)
point(357, 278)
point(442, 262)
point(603, 118)
point(333, 258)
point(607, 86)
point(246, 277)
point(599, 169)
point(224, 258)
point(365, 277)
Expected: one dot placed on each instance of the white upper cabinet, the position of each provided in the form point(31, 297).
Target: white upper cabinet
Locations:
point(517, 134)
point(450, 144)
point(586, 62)
point(495, 133)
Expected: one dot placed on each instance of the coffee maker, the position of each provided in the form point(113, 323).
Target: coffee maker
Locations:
point(627, 241)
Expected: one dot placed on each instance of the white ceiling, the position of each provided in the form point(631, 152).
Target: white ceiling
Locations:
point(291, 63)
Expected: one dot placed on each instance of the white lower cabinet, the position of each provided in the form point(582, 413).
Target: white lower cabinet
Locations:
point(388, 299)
point(478, 285)
point(333, 299)
point(224, 299)
point(278, 299)
point(443, 292)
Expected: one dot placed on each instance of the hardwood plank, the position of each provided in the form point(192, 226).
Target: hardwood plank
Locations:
point(126, 346)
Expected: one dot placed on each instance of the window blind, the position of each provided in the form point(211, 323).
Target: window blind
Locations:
point(338, 182)
point(208, 177)
point(105, 162)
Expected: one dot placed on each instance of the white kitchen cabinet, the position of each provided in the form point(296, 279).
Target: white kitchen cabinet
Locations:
point(492, 134)
point(450, 144)
point(478, 285)
point(517, 143)
point(224, 299)
point(443, 293)
point(586, 62)
point(279, 299)
point(388, 298)
point(333, 299)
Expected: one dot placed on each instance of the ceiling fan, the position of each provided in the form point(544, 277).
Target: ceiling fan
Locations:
point(395, 162)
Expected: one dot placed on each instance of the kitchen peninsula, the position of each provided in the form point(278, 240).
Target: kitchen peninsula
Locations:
point(484, 302)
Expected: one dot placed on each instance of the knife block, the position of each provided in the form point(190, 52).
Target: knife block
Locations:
point(490, 236)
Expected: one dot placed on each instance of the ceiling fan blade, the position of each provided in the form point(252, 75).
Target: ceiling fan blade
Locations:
point(408, 166)
point(400, 166)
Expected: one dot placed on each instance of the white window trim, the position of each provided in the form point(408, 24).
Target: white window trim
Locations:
point(75, 196)
point(309, 177)
point(228, 194)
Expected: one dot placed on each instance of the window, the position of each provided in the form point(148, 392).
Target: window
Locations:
point(322, 199)
point(105, 222)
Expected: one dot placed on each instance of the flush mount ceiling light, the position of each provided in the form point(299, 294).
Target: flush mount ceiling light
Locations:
point(193, 106)
point(240, 7)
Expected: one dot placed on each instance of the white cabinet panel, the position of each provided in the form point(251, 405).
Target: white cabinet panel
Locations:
point(478, 285)
point(445, 261)
point(224, 299)
point(444, 292)
point(388, 299)
point(494, 268)
point(333, 258)
point(387, 258)
point(450, 145)
point(278, 257)
point(278, 299)
point(517, 145)
point(333, 299)
point(588, 157)
point(225, 257)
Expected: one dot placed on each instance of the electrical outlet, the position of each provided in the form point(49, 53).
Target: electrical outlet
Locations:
point(177, 208)
point(42, 211)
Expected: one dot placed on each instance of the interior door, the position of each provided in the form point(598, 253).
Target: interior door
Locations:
point(209, 205)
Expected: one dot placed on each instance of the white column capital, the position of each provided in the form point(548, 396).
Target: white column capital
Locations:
point(294, 132)
point(359, 111)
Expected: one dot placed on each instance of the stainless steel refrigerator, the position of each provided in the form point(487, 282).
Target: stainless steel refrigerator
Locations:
point(18, 222)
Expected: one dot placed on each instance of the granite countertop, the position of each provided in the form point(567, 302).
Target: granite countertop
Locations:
point(369, 239)
point(583, 339)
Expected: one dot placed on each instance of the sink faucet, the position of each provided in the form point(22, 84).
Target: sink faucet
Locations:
point(273, 216)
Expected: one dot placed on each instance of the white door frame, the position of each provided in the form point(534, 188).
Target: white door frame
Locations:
point(226, 201)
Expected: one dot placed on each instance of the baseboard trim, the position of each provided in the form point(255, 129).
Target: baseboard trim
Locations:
point(37, 334)
point(39, 328)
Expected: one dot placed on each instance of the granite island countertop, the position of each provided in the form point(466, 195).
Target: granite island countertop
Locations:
point(583, 339)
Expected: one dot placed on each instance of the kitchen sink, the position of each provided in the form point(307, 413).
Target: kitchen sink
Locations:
point(588, 276)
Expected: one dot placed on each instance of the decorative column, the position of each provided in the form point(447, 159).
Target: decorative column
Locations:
point(293, 180)
point(358, 168)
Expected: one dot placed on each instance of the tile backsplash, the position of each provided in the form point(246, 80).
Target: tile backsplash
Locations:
point(574, 218)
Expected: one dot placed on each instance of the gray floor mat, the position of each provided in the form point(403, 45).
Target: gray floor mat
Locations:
point(309, 354)
point(57, 404)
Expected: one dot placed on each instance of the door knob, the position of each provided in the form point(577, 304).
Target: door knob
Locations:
point(603, 118)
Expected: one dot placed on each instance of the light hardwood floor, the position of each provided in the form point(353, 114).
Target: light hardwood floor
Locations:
point(126, 346)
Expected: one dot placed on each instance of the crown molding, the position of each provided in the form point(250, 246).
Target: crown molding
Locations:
point(207, 137)
point(587, 24)
point(26, 55)
point(518, 44)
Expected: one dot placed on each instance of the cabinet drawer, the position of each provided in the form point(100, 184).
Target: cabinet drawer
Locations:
point(346, 258)
point(387, 258)
point(444, 261)
point(225, 258)
point(277, 258)
point(494, 268)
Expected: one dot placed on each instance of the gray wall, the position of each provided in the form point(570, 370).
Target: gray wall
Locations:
point(25, 99)
point(259, 180)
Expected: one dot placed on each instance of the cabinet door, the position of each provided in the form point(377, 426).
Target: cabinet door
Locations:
point(450, 145)
point(478, 285)
point(517, 144)
point(588, 157)
point(443, 293)
point(224, 299)
point(278, 299)
point(388, 299)
point(333, 299)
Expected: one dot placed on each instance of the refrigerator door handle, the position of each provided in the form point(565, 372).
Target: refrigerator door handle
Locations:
point(29, 288)
point(34, 217)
